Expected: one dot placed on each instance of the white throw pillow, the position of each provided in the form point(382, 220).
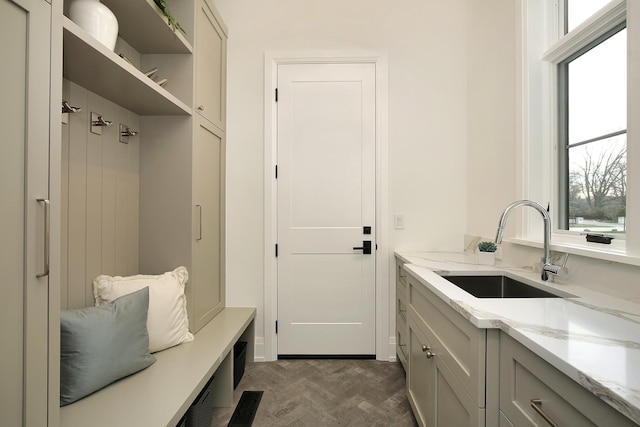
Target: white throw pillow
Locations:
point(167, 321)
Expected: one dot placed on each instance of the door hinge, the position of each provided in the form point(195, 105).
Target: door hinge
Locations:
point(276, 94)
point(276, 250)
point(276, 326)
point(276, 171)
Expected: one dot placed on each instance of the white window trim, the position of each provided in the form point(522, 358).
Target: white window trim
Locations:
point(540, 29)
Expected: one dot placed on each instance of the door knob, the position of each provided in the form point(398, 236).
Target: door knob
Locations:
point(365, 248)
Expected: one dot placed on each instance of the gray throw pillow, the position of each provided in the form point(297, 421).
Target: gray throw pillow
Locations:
point(99, 345)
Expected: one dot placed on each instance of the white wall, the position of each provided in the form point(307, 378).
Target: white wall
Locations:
point(492, 139)
point(426, 43)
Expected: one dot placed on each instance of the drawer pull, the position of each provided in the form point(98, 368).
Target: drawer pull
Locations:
point(536, 404)
point(428, 352)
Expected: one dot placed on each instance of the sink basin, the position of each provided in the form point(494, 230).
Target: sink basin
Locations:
point(497, 286)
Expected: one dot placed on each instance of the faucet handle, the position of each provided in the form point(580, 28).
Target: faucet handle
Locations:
point(557, 270)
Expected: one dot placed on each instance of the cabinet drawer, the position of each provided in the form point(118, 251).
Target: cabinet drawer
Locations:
point(527, 378)
point(461, 345)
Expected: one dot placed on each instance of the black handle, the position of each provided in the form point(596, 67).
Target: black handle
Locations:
point(365, 248)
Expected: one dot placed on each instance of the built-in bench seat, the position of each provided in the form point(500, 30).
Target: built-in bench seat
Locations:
point(161, 394)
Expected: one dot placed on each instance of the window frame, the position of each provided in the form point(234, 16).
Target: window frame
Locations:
point(542, 47)
point(562, 89)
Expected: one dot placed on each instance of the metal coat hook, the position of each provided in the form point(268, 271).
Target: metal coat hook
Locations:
point(97, 123)
point(66, 108)
point(125, 133)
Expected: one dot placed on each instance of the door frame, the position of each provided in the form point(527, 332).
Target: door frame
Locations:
point(385, 344)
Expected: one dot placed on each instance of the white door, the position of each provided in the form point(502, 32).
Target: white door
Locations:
point(24, 162)
point(326, 198)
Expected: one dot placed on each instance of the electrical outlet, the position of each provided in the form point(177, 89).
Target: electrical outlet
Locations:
point(398, 221)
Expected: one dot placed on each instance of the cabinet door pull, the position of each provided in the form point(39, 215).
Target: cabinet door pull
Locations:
point(47, 235)
point(199, 207)
point(536, 404)
point(428, 351)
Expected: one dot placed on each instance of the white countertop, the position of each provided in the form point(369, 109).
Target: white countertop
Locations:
point(591, 337)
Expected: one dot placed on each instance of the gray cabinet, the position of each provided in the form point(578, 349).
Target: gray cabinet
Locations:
point(531, 389)
point(208, 244)
point(447, 356)
point(437, 398)
point(157, 202)
point(459, 375)
point(211, 64)
point(182, 180)
point(402, 331)
point(27, 323)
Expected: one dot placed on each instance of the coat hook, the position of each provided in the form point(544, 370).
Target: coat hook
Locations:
point(97, 123)
point(66, 108)
point(125, 133)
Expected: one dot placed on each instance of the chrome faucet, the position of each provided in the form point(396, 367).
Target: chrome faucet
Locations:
point(549, 269)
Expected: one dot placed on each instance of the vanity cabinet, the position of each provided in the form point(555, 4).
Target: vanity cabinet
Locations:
point(531, 389)
point(447, 359)
point(402, 331)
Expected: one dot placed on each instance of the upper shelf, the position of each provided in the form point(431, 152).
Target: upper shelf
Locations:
point(143, 25)
point(90, 64)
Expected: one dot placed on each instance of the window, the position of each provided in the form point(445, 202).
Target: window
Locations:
point(581, 118)
point(590, 62)
point(592, 132)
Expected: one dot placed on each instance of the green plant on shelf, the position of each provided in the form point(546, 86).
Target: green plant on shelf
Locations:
point(162, 4)
point(487, 247)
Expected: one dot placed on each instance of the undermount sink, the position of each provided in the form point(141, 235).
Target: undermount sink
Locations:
point(497, 286)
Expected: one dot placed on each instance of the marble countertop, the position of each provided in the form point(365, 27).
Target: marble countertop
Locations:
point(591, 337)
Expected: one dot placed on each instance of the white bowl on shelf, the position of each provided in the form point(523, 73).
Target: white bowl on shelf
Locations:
point(96, 19)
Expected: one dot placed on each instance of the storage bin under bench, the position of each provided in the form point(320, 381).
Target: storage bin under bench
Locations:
point(161, 394)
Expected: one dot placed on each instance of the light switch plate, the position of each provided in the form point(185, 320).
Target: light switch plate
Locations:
point(398, 221)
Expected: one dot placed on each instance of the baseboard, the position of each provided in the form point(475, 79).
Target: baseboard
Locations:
point(392, 349)
point(258, 350)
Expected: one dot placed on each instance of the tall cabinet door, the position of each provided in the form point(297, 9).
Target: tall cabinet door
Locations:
point(24, 119)
point(211, 65)
point(206, 282)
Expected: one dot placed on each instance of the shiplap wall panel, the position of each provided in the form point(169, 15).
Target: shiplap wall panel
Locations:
point(109, 203)
point(133, 186)
point(122, 204)
point(77, 198)
point(64, 200)
point(101, 197)
point(93, 237)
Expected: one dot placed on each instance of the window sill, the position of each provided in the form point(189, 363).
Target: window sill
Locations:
point(615, 252)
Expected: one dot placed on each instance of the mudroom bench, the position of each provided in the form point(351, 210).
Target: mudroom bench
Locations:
point(161, 394)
